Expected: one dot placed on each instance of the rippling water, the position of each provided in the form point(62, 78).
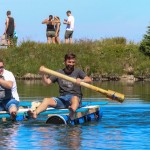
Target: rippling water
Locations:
point(123, 127)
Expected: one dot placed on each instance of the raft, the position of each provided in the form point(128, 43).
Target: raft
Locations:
point(88, 112)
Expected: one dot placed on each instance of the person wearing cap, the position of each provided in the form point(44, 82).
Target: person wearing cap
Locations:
point(69, 28)
point(9, 98)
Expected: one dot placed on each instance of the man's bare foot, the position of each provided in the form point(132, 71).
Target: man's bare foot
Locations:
point(13, 116)
point(32, 114)
point(71, 113)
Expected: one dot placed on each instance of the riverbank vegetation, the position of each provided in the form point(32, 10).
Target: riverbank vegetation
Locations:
point(105, 58)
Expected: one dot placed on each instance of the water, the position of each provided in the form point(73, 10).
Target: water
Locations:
point(123, 126)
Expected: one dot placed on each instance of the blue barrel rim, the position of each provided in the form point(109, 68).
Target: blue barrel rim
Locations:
point(57, 116)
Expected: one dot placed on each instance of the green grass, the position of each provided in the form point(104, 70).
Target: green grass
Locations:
point(106, 57)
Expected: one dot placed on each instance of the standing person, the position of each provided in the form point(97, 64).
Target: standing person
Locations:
point(50, 31)
point(70, 93)
point(9, 29)
point(9, 99)
point(57, 28)
point(70, 27)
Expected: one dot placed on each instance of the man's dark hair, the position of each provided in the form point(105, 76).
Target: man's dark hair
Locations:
point(8, 12)
point(68, 11)
point(51, 16)
point(70, 56)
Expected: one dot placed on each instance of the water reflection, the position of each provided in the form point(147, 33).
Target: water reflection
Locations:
point(32, 136)
point(122, 127)
point(8, 130)
point(54, 136)
point(31, 82)
point(34, 88)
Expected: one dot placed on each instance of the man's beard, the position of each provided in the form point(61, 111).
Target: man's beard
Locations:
point(69, 69)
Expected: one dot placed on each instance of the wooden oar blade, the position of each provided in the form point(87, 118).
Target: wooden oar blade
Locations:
point(115, 96)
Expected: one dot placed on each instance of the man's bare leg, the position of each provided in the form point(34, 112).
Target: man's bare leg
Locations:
point(42, 107)
point(70, 40)
point(73, 107)
point(66, 41)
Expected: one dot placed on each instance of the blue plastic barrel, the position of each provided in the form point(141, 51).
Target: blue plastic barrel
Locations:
point(64, 119)
point(58, 119)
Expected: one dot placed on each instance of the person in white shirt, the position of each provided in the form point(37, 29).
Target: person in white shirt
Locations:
point(69, 28)
point(9, 98)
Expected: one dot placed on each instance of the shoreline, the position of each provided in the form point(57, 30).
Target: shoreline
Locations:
point(30, 76)
point(103, 60)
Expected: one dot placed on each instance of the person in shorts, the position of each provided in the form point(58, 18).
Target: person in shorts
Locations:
point(69, 28)
point(9, 29)
point(9, 98)
point(70, 95)
point(57, 28)
point(50, 30)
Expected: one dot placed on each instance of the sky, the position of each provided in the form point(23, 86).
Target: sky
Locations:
point(94, 19)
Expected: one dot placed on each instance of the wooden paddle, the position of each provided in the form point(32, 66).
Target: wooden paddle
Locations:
point(110, 94)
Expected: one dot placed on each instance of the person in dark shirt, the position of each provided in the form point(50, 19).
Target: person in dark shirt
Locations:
point(70, 93)
point(50, 30)
point(10, 27)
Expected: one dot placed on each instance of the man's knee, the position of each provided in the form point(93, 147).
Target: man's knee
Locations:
point(49, 101)
point(75, 97)
point(45, 99)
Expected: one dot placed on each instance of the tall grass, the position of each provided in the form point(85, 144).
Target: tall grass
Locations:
point(107, 57)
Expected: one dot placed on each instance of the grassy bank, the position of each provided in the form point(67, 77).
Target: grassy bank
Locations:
point(107, 57)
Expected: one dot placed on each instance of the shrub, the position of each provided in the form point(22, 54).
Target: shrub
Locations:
point(145, 44)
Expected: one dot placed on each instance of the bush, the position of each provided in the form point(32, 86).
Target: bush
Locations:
point(102, 57)
point(145, 44)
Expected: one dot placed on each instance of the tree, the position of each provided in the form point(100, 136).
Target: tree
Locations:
point(145, 44)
